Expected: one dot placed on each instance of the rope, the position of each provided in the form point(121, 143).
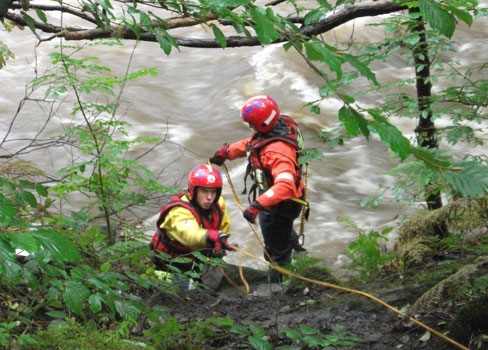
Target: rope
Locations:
point(239, 205)
point(301, 235)
point(241, 275)
point(353, 291)
point(325, 284)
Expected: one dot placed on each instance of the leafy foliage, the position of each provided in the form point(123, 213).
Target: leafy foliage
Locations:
point(103, 168)
point(59, 279)
point(5, 54)
point(78, 275)
point(368, 253)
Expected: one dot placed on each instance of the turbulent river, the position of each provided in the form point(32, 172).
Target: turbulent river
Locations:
point(194, 102)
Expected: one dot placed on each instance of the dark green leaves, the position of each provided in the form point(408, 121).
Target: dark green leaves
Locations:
point(468, 178)
point(58, 246)
point(353, 121)
point(219, 36)
point(335, 59)
point(264, 20)
point(318, 51)
point(437, 17)
point(316, 15)
point(221, 5)
point(390, 135)
point(361, 67)
point(441, 15)
point(8, 212)
point(74, 296)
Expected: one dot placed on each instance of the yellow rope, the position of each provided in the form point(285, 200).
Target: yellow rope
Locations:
point(238, 202)
point(349, 290)
point(301, 235)
point(326, 284)
point(243, 279)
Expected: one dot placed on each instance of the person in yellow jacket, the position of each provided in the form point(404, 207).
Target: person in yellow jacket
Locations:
point(273, 150)
point(193, 220)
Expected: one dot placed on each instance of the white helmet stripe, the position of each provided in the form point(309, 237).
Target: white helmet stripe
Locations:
point(270, 118)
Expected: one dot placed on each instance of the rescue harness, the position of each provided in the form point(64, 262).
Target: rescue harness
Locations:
point(286, 130)
point(163, 243)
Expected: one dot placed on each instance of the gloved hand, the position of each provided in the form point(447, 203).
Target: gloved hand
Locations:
point(220, 156)
point(252, 212)
point(219, 240)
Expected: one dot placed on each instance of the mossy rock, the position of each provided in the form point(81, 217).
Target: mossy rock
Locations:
point(470, 322)
point(448, 293)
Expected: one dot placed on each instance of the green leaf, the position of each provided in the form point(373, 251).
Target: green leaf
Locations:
point(222, 322)
point(316, 15)
point(309, 155)
point(257, 330)
point(31, 22)
point(126, 309)
point(361, 67)
point(308, 330)
point(292, 334)
point(145, 20)
point(41, 15)
point(437, 17)
point(220, 5)
point(25, 241)
point(8, 212)
point(317, 51)
point(60, 248)
point(219, 36)
point(259, 343)
point(468, 178)
point(97, 283)
point(313, 341)
point(7, 253)
point(95, 303)
point(264, 24)
point(26, 197)
point(239, 329)
point(346, 98)
point(41, 190)
point(166, 42)
point(354, 122)
point(107, 300)
point(105, 267)
point(390, 135)
point(74, 295)
point(429, 159)
point(61, 315)
point(464, 16)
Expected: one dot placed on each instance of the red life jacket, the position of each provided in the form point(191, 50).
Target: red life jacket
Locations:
point(163, 243)
point(286, 130)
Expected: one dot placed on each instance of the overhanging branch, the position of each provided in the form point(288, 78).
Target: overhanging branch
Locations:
point(343, 16)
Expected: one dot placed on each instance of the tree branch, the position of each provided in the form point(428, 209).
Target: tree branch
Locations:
point(348, 13)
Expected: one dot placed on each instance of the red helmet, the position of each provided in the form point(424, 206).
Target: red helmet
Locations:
point(262, 112)
point(204, 176)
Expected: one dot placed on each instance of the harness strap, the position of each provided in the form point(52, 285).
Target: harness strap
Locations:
point(174, 248)
point(301, 201)
point(305, 212)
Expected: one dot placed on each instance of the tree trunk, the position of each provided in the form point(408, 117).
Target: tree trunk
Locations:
point(426, 130)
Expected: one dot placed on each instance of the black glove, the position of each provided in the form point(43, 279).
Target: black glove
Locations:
point(220, 156)
point(252, 212)
point(219, 240)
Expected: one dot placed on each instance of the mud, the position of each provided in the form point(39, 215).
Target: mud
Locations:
point(298, 304)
